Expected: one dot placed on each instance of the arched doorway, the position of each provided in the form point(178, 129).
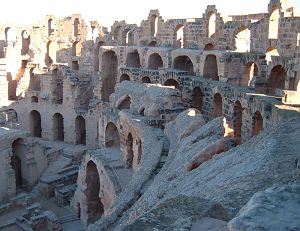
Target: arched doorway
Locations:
point(18, 153)
point(277, 78)
point(57, 87)
point(172, 83)
point(153, 25)
point(109, 70)
point(76, 27)
point(155, 61)
point(197, 98)
point(129, 154)
point(146, 79)
point(217, 106)
point(125, 103)
point(242, 40)
point(112, 138)
point(80, 130)
point(257, 123)
point(133, 60)
point(210, 70)
point(179, 39)
point(35, 124)
point(124, 77)
point(209, 47)
point(58, 127)
point(251, 71)
point(237, 121)
point(95, 208)
point(273, 23)
point(211, 27)
point(184, 63)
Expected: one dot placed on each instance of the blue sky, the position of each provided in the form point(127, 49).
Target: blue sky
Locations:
point(133, 11)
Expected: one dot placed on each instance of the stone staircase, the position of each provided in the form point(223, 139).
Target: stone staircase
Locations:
point(68, 218)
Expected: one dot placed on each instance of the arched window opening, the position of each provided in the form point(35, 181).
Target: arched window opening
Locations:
point(146, 79)
point(179, 42)
point(125, 104)
point(95, 208)
point(80, 130)
point(277, 78)
point(76, 49)
point(184, 63)
point(209, 47)
point(155, 61)
point(271, 52)
point(242, 40)
point(172, 83)
point(153, 25)
point(50, 27)
point(57, 87)
point(211, 24)
point(35, 124)
point(217, 106)
point(139, 151)
point(112, 138)
point(76, 27)
point(75, 65)
point(51, 53)
point(12, 87)
point(273, 23)
point(125, 37)
point(124, 77)
point(257, 123)
point(96, 64)
point(18, 156)
point(10, 35)
point(133, 60)
point(210, 70)
point(129, 155)
point(58, 127)
point(25, 42)
point(251, 71)
point(197, 98)
point(237, 121)
point(34, 99)
point(109, 68)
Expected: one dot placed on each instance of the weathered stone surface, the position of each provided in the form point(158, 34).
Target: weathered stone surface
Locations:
point(276, 208)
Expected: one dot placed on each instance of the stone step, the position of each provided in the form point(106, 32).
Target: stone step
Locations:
point(68, 218)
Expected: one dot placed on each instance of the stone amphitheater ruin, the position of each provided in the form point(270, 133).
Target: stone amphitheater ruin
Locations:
point(179, 124)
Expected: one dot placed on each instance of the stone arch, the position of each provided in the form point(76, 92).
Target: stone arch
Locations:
point(210, 70)
point(242, 39)
point(146, 79)
point(11, 116)
point(34, 99)
point(80, 130)
point(76, 27)
point(184, 63)
point(58, 127)
point(139, 151)
point(209, 47)
point(76, 49)
point(211, 27)
point(152, 44)
point(155, 61)
point(257, 123)
point(129, 151)
point(173, 83)
point(50, 26)
point(35, 124)
point(179, 37)
point(124, 77)
point(128, 37)
point(109, 68)
point(277, 78)
point(133, 60)
point(117, 33)
point(112, 137)
point(95, 208)
point(57, 87)
point(10, 35)
point(125, 103)
point(25, 42)
point(217, 106)
point(237, 121)
point(18, 156)
point(51, 53)
point(271, 51)
point(197, 99)
point(251, 72)
point(35, 81)
point(153, 25)
point(96, 60)
point(273, 22)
